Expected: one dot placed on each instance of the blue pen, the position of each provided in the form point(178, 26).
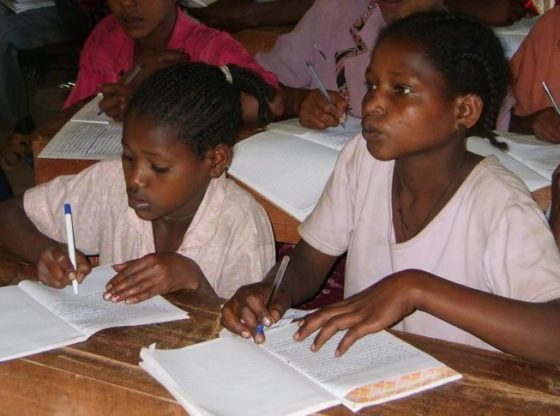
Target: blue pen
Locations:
point(275, 285)
point(70, 241)
point(320, 85)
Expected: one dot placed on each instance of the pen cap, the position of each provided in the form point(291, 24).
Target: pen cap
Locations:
point(67, 209)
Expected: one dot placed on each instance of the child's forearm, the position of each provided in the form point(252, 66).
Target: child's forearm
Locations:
point(306, 272)
point(19, 234)
point(529, 330)
point(293, 97)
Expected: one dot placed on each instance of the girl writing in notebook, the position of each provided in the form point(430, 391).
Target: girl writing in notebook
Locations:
point(440, 242)
point(165, 215)
point(150, 34)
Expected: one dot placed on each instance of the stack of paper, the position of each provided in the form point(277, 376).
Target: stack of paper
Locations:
point(89, 135)
point(19, 6)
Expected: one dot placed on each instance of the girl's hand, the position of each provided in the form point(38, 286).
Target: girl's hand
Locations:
point(369, 311)
point(55, 269)
point(247, 308)
point(117, 96)
point(115, 99)
point(546, 125)
point(317, 112)
point(152, 275)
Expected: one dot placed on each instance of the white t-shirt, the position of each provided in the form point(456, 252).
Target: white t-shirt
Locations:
point(230, 236)
point(490, 236)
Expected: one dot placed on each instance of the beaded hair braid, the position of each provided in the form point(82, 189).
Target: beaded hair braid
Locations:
point(468, 55)
point(197, 101)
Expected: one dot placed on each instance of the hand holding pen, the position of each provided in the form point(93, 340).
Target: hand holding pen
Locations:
point(272, 294)
point(321, 108)
point(60, 264)
point(545, 123)
point(116, 96)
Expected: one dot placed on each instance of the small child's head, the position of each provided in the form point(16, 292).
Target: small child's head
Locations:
point(435, 75)
point(178, 134)
point(142, 18)
point(393, 10)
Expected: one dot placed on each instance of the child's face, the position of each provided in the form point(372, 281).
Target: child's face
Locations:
point(397, 9)
point(141, 18)
point(407, 109)
point(163, 176)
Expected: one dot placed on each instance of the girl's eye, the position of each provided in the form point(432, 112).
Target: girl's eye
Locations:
point(160, 169)
point(370, 86)
point(126, 158)
point(403, 90)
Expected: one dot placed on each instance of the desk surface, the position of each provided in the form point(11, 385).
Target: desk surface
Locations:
point(101, 377)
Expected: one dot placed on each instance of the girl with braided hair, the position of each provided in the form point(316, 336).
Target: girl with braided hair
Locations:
point(439, 241)
point(165, 215)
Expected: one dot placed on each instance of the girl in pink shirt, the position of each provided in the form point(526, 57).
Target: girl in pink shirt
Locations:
point(152, 34)
point(165, 215)
point(439, 241)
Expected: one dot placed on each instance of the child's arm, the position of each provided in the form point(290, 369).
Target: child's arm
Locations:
point(529, 330)
point(20, 235)
point(544, 124)
point(116, 96)
point(155, 274)
point(555, 206)
point(313, 109)
point(304, 276)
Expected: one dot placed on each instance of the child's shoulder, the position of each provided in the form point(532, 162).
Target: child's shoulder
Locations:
point(235, 200)
point(492, 182)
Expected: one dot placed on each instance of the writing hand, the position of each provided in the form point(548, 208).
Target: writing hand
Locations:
point(546, 125)
point(151, 275)
point(247, 307)
point(376, 308)
point(317, 112)
point(116, 96)
point(55, 269)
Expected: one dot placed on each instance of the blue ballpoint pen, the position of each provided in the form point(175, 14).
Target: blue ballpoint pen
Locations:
point(274, 289)
point(320, 85)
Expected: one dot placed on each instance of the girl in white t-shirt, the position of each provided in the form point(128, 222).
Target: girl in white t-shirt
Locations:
point(164, 215)
point(440, 241)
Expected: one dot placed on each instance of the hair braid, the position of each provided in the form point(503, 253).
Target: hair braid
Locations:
point(195, 99)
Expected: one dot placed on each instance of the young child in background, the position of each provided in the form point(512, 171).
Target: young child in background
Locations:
point(337, 37)
point(537, 60)
point(166, 214)
point(440, 241)
point(153, 34)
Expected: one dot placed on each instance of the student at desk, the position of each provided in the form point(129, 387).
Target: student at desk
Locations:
point(537, 60)
point(439, 241)
point(151, 34)
point(165, 213)
point(337, 37)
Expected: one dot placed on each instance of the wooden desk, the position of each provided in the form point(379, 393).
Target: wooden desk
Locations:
point(101, 376)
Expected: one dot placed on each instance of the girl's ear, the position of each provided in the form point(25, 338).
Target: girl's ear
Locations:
point(220, 159)
point(468, 110)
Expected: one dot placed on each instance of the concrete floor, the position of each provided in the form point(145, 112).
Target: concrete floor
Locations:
point(46, 99)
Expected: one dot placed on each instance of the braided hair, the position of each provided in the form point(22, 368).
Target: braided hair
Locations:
point(202, 103)
point(468, 55)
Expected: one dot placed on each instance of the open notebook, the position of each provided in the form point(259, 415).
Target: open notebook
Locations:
point(88, 135)
point(38, 318)
point(290, 165)
point(233, 376)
